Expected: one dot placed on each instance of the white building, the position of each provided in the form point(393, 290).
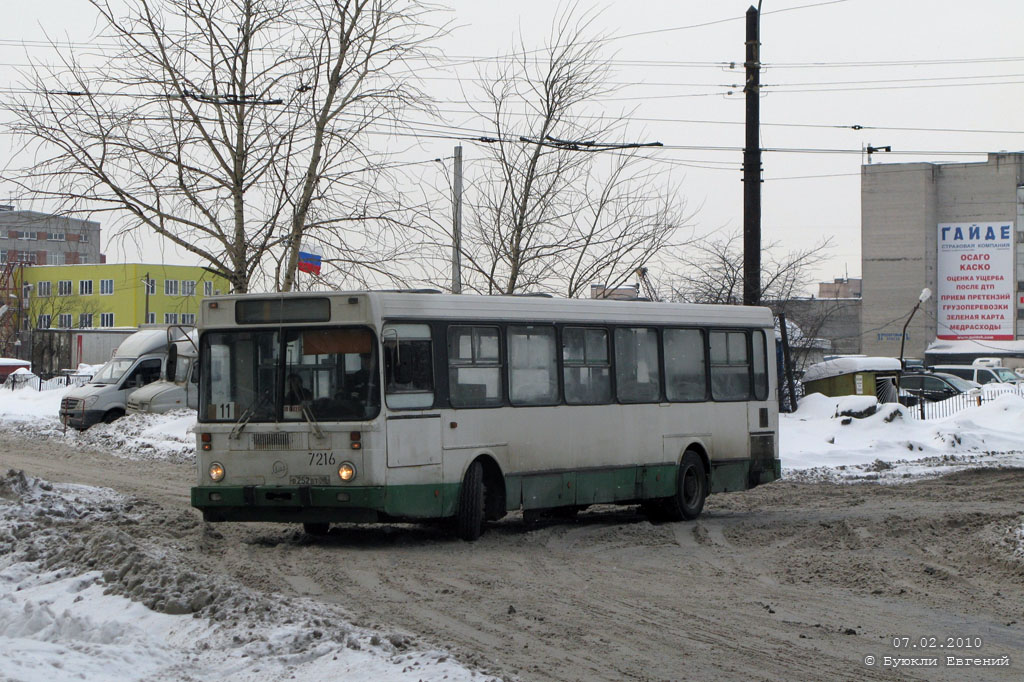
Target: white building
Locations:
point(954, 228)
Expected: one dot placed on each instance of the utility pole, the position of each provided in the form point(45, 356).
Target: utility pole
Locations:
point(752, 167)
point(457, 224)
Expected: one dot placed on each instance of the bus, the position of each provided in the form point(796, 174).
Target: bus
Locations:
point(353, 407)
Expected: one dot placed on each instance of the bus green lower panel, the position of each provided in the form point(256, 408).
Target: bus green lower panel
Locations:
point(429, 501)
point(735, 475)
point(326, 503)
point(590, 486)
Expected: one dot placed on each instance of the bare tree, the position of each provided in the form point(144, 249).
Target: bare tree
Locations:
point(711, 271)
point(561, 201)
point(236, 129)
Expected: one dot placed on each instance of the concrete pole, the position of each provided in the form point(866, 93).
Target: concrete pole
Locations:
point(457, 224)
point(752, 168)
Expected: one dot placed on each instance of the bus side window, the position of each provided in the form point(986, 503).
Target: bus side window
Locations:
point(760, 365)
point(730, 366)
point(474, 366)
point(408, 366)
point(532, 367)
point(585, 367)
point(636, 365)
point(685, 376)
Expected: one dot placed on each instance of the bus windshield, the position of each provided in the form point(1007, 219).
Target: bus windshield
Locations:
point(293, 374)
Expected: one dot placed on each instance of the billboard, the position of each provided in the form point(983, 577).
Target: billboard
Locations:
point(975, 281)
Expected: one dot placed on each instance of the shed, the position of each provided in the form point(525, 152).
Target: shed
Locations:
point(855, 375)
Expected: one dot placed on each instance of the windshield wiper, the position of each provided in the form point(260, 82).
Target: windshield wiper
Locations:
point(311, 420)
point(247, 415)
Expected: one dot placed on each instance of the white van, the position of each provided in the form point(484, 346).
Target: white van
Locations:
point(178, 388)
point(138, 361)
point(983, 375)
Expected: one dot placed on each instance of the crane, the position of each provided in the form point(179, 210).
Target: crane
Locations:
point(645, 284)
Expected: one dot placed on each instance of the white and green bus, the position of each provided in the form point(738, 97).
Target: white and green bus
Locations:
point(397, 406)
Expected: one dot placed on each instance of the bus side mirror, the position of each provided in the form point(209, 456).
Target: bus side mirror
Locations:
point(403, 373)
point(172, 362)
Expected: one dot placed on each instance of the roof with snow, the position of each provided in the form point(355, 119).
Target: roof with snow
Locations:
point(970, 347)
point(849, 365)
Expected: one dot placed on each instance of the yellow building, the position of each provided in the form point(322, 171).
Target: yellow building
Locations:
point(113, 295)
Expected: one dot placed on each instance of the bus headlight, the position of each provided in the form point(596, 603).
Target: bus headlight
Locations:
point(347, 471)
point(216, 472)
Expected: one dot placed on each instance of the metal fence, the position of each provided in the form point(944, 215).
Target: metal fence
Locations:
point(925, 409)
point(15, 381)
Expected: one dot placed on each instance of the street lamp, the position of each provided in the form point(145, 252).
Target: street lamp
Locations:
point(926, 293)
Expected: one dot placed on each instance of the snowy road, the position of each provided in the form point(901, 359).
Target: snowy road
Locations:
point(792, 581)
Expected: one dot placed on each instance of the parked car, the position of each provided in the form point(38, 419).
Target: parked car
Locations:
point(983, 375)
point(138, 361)
point(936, 386)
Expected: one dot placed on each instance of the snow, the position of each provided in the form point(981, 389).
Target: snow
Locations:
point(57, 622)
point(969, 347)
point(848, 365)
point(818, 441)
point(64, 613)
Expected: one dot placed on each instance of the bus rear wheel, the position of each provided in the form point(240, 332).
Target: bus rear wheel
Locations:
point(691, 490)
point(469, 519)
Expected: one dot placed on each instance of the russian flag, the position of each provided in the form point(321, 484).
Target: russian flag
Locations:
point(309, 260)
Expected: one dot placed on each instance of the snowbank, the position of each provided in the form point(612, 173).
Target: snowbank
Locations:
point(891, 444)
point(66, 575)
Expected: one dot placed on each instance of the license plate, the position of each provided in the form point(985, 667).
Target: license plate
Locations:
point(309, 480)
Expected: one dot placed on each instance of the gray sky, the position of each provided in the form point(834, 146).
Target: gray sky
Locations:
point(921, 77)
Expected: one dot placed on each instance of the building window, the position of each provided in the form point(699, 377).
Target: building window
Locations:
point(64, 320)
point(85, 320)
point(170, 287)
point(3, 255)
point(43, 289)
point(44, 322)
point(150, 285)
point(82, 258)
point(56, 236)
point(83, 237)
point(26, 235)
point(64, 287)
point(151, 318)
point(106, 287)
point(31, 257)
point(85, 287)
point(106, 319)
point(188, 287)
point(207, 288)
point(188, 318)
point(170, 318)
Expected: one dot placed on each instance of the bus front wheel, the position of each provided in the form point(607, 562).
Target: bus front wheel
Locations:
point(469, 520)
point(691, 489)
